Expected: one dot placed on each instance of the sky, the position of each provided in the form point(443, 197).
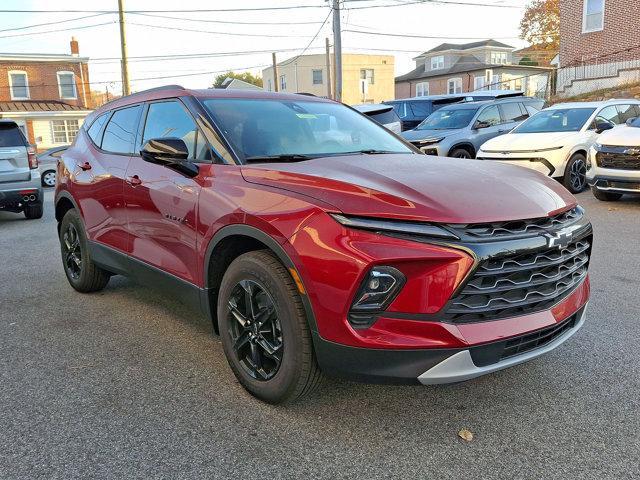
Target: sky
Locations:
point(288, 31)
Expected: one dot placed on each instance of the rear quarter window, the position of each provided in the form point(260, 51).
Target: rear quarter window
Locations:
point(384, 118)
point(11, 136)
point(96, 128)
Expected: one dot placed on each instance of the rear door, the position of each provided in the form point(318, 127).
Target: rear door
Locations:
point(162, 203)
point(512, 115)
point(14, 161)
point(99, 175)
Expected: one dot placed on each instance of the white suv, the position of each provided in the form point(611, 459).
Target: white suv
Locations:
point(555, 141)
point(613, 166)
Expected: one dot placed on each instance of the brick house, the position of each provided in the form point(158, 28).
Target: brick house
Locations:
point(46, 94)
point(467, 67)
point(599, 46)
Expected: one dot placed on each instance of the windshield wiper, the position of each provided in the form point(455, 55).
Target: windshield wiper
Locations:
point(371, 151)
point(285, 157)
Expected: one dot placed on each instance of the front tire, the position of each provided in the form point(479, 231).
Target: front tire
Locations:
point(460, 153)
point(605, 196)
point(575, 173)
point(264, 330)
point(82, 274)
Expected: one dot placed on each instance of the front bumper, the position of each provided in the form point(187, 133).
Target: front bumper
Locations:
point(440, 366)
point(613, 180)
point(550, 163)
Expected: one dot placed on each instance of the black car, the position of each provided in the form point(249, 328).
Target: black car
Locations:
point(412, 111)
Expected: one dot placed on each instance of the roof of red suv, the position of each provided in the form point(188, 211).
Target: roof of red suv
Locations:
point(172, 91)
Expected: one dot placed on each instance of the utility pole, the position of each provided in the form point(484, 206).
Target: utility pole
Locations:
point(337, 49)
point(275, 72)
point(328, 57)
point(123, 48)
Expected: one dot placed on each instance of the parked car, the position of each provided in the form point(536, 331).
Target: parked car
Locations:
point(385, 115)
point(458, 130)
point(613, 164)
point(314, 255)
point(555, 141)
point(47, 162)
point(414, 110)
point(20, 188)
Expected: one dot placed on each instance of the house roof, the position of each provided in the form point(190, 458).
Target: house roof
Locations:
point(466, 63)
point(466, 46)
point(38, 106)
point(232, 83)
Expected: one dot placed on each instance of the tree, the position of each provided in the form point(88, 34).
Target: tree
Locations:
point(245, 77)
point(540, 25)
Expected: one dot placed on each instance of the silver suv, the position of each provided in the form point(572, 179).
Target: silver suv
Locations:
point(458, 130)
point(20, 183)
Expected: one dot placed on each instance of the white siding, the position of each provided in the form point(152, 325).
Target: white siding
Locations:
point(43, 132)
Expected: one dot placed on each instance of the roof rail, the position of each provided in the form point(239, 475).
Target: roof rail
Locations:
point(155, 89)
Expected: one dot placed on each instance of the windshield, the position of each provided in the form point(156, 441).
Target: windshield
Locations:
point(556, 120)
point(448, 119)
point(271, 128)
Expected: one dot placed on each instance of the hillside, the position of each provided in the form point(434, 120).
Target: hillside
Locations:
point(623, 91)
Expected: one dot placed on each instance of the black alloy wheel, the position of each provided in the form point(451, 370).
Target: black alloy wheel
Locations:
point(255, 331)
point(578, 175)
point(71, 251)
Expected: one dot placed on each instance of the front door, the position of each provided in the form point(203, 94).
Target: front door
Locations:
point(161, 202)
point(492, 120)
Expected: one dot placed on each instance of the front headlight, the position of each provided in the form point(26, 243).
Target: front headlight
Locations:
point(597, 147)
point(394, 226)
point(428, 141)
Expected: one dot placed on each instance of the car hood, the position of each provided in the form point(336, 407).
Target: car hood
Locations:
point(418, 187)
point(413, 135)
point(527, 142)
point(622, 136)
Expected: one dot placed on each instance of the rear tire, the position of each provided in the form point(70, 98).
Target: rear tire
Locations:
point(34, 211)
point(83, 275)
point(49, 178)
point(605, 196)
point(264, 330)
point(575, 174)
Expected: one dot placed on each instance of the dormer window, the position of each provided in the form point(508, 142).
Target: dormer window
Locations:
point(437, 62)
point(499, 58)
point(18, 85)
point(67, 86)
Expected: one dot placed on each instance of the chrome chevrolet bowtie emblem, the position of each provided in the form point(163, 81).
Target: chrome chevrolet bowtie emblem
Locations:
point(559, 239)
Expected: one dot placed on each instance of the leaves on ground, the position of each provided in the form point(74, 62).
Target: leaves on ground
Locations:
point(466, 435)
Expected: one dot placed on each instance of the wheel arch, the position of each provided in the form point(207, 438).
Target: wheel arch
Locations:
point(64, 203)
point(228, 244)
point(468, 146)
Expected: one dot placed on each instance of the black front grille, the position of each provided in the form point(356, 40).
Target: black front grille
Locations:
point(618, 160)
point(520, 283)
point(517, 228)
point(494, 352)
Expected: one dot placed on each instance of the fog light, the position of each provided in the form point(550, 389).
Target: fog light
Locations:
point(379, 288)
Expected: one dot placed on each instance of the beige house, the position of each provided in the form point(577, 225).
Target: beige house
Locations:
point(365, 78)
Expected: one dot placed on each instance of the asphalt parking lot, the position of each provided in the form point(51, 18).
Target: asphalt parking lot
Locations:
point(128, 383)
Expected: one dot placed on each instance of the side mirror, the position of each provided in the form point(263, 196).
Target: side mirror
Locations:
point(630, 121)
point(602, 126)
point(480, 124)
point(171, 152)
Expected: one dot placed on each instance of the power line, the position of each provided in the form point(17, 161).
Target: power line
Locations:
point(312, 40)
point(197, 10)
point(426, 2)
point(82, 27)
point(432, 37)
point(51, 23)
point(226, 22)
point(216, 33)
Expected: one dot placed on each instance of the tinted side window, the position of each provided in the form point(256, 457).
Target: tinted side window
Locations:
point(385, 117)
point(627, 111)
point(401, 109)
point(490, 116)
point(120, 134)
point(512, 112)
point(96, 127)
point(169, 119)
point(421, 109)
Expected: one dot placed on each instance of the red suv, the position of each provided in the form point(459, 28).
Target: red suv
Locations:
point(317, 241)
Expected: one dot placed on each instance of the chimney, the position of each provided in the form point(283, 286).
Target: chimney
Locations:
point(75, 48)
